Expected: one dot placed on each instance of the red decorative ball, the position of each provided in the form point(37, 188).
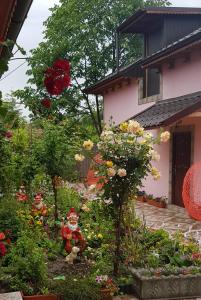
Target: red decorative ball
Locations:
point(191, 192)
point(46, 103)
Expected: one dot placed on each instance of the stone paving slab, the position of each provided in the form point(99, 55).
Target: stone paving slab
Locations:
point(11, 296)
point(173, 219)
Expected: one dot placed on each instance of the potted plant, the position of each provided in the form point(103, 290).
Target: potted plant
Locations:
point(41, 297)
point(172, 283)
point(141, 196)
point(107, 287)
point(158, 201)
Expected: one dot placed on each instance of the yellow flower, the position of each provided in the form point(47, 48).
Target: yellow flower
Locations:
point(38, 222)
point(109, 163)
point(165, 136)
point(88, 145)
point(155, 173)
point(123, 126)
point(89, 237)
point(133, 126)
point(130, 142)
point(85, 208)
point(100, 236)
point(140, 131)
point(79, 157)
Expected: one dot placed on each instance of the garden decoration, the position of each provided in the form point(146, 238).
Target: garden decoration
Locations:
point(57, 78)
point(2, 245)
point(127, 152)
point(39, 209)
point(21, 194)
point(73, 255)
point(108, 287)
point(191, 192)
point(71, 232)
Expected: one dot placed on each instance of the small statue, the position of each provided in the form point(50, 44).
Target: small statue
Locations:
point(71, 232)
point(39, 209)
point(21, 194)
point(73, 255)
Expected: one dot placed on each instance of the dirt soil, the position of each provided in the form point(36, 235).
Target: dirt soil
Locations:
point(60, 267)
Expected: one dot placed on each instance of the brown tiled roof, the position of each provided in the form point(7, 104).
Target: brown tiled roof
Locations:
point(138, 21)
point(132, 70)
point(166, 112)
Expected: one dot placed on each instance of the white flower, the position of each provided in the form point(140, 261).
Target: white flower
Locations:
point(79, 157)
point(122, 172)
point(107, 133)
point(148, 136)
point(154, 155)
point(165, 136)
point(111, 172)
point(88, 145)
point(92, 187)
point(133, 126)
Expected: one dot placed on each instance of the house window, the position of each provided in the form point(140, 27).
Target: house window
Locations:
point(149, 86)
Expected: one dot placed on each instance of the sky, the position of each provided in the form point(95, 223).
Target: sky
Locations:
point(31, 35)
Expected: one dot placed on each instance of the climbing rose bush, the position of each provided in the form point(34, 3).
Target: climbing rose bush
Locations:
point(127, 153)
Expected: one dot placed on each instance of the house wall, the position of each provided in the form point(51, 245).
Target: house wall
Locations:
point(162, 187)
point(159, 187)
point(183, 78)
point(122, 103)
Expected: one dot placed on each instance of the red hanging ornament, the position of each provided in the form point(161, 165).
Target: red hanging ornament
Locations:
point(2, 249)
point(46, 103)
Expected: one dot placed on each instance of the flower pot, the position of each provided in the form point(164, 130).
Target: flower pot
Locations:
point(106, 294)
point(156, 203)
point(41, 297)
point(141, 198)
point(166, 287)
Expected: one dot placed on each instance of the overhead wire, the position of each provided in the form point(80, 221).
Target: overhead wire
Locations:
point(11, 72)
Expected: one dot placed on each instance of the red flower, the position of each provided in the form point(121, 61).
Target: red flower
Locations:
point(62, 64)
point(2, 236)
point(57, 78)
point(2, 249)
point(196, 256)
point(8, 241)
point(46, 103)
point(8, 134)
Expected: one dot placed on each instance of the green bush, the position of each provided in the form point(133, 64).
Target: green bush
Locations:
point(76, 289)
point(29, 271)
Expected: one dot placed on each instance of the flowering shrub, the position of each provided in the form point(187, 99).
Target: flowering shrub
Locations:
point(106, 283)
point(127, 152)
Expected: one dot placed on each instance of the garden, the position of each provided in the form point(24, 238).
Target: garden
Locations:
point(60, 237)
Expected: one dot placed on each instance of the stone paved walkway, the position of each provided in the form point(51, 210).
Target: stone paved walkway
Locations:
point(173, 219)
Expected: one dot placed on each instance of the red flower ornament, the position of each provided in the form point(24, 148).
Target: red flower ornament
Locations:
point(62, 64)
point(47, 103)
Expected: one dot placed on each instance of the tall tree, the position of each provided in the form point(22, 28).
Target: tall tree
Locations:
point(83, 32)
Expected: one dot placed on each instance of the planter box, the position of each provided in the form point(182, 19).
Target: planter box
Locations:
point(156, 203)
point(166, 287)
point(41, 297)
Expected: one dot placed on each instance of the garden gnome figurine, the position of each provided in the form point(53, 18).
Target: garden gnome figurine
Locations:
point(71, 232)
point(39, 209)
point(21, 194)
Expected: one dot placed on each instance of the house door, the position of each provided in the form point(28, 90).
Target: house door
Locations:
point(181, 161)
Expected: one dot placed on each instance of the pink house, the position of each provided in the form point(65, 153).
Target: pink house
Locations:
point(162, 89)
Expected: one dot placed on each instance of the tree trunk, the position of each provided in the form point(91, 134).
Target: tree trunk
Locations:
point(118, 240)
point(55, 200)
